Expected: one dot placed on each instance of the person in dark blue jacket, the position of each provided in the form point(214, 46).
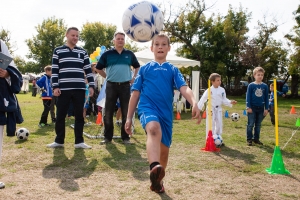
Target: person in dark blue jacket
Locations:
point(257, 106)
point(45, 84)
point(10, 84)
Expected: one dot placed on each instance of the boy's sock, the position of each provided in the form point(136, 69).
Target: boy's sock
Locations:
point(153, 165)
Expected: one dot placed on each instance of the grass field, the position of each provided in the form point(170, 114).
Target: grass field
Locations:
point(32, 171)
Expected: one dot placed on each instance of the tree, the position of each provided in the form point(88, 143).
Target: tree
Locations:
point(21, 63)
point(5, 36)
point(188, 26)
point(33, 67)
point(235, 29)
point(215, 41)
point(294, 67)
point(50, 34)
point(97, 34)
point(185, 25)
point(263, 50)
point(271, 55)
point(131, 45)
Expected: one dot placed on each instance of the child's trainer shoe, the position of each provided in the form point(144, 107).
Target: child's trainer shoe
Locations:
point(249, 142)
point(42, 125)
point(82, 146)
point(258, 142)
point(156, 175)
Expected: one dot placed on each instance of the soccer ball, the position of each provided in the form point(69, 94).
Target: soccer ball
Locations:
point(22, 133)
point(142, 21)
point(218, 139)
point(235, 117)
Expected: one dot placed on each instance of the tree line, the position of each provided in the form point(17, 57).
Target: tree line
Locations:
point(219, 42)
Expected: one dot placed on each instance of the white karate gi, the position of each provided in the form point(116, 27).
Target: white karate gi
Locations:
point(218, 98)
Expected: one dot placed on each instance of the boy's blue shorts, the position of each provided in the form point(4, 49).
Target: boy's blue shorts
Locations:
point(149, 115)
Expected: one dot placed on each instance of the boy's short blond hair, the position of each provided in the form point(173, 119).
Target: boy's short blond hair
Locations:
point(213, 76)
point(272, 84)
point(163, 35)
point(48, 68)
point(258, 69)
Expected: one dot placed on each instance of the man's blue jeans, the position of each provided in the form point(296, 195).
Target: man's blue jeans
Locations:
point(254, 120)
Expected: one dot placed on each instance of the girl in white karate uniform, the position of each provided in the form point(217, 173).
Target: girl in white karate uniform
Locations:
point(218, 99)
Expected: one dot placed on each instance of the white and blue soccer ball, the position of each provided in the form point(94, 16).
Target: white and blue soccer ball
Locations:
point(142, 21)
point(22, 133)
point(218, 139)
point(235, 117)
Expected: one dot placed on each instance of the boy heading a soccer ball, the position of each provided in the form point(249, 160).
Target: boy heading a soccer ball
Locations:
point(153, 89)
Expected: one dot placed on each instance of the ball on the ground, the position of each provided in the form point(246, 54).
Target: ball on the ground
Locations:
point(217, 139)
point(235, 117)
point(142, 21)
point(22, 133)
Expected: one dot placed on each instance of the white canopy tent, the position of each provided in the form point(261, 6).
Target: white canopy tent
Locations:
point(146, 55)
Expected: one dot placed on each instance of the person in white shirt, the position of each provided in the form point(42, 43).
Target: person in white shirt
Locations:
point(218, 99)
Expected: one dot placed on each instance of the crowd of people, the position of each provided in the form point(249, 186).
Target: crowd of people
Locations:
point(73, 84)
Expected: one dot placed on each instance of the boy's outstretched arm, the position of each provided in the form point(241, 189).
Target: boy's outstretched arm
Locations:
point(135, 96)
point(187, 93)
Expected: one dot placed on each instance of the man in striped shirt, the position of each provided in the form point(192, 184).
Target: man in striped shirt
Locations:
point(69, 65)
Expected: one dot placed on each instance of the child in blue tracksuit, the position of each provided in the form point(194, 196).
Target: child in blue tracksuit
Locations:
point(271, 102)
point(257, 103)
point(45, 84)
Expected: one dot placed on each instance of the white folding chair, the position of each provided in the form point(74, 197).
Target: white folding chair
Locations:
point(183, 103)
point(176, 99)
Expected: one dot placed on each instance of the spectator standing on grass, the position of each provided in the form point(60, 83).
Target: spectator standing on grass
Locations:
point(69, 65)
point(10, 114)
point(154, 89)
point(34, 88)
point(271, 102)
point(93, 108)
point(86, 100)
point(52, 108)
point(257, 104)
point(117, 62)
point(45, 84)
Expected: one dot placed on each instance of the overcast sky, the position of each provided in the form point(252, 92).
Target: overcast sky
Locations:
point(21, 16)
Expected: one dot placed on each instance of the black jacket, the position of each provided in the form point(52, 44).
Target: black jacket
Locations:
point(8, 100)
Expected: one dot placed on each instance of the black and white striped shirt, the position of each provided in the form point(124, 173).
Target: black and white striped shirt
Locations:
point(69, 67)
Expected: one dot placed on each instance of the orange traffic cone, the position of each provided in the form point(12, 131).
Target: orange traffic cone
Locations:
point(293, 110)
point(99, 118)
point(210, 144)
point(178, 116)
point(204, 115)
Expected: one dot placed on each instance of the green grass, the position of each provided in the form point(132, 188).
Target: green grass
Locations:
point(122, 172)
